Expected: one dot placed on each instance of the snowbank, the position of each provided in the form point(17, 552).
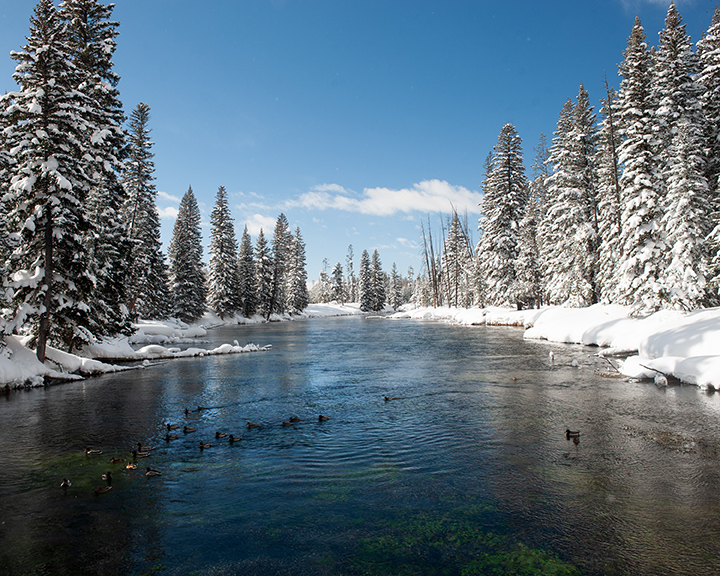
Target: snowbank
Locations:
point(472, 316)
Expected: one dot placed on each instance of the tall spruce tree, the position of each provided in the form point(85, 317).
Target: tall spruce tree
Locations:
point(298, 298)
point(50, 280)
point(282, 238)
point(187, 280)
point(337, 284)
point(146, 282)
point(396, 288)
point(506, 191)
point(639, 272)
point(377, 278)
point(91, 37)
point(247, 282)
point(366, 283)
point(263, 275)
point(223, 280)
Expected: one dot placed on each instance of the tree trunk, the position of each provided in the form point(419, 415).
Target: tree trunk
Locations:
point(44, 324)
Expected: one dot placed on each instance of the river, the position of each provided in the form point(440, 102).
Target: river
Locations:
point(466, 470)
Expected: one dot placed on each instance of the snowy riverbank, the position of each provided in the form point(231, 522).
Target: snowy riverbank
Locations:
point(682, 345)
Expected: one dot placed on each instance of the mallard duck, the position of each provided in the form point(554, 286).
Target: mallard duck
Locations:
point(169, 437)
point(571, 434)
point(114, 460)
point(286, 424)
point(220, 434)
point(65, 483)
point(136, 454)
point(130, 466)
point(141, 448)
point(187, 429)
point(323, 418)
point(149, 472)
point(234, 438)
point(388, 398)
point(102, 489)
point(250, 425)
point(202, 408)
point(294, 419)
point(89, 452)
point(107, 477)
point(172, 426)
point(187, 411)
point(204, 445)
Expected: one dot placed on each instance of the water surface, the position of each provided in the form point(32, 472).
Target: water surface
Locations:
point(465, 471)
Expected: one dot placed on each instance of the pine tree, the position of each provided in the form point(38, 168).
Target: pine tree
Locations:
point(639, 272)
point(367, 285)
point(298, 293)
point(352, 295)
point(527, 266)
point(377, 278)
point(187, 281)
point(457, 265)
point(280, 252)
point(223, 279)
point(396, 294)
point(44, 201)
point(92, 42)
point(146, 281)
point(263, 275)
point(506, 190)
point(247, 281)
point(337, 284)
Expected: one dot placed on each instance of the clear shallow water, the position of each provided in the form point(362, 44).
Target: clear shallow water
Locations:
point(466, 471)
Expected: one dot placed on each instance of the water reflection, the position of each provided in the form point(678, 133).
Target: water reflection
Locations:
point(466, 468)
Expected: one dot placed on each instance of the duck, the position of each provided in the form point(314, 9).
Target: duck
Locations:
point(107, 477)
point(204, 445)
point(323, 418)
point(388, 398)
point(169, 437)
point(250, 425)
point(286, 424)
point(294, 419)
point(149, 472)
point(187, 429)
point(220, 434)
point(130, 466)
point(187, 411)
point(102, 489)
point(92, 452)
point(114, 460)
point(65, 483)
point(234, 439)
point(571, 434)
point(172, 426)
point(202, 408)
point(551, 357)
point(137, 454)
point(141, 448)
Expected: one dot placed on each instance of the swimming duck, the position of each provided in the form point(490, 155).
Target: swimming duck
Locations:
point(141, 448)
point(169, 437)
point(116, 460)
point(107, 477)
point(89, 452)
point(65, 483)
point(388, 398)
point(136, 454)
point(286, 424)
point(130, 466)
point(204, 445)
point(571, 434)
point(187, 411)
point(234, 439)
point(102, 489)
point(172, 426)
point(323, 418)
point(250, 425)
point(294, 419)
point(220, 434)
point(149, 472)
point(187, 429)
point(202, 408)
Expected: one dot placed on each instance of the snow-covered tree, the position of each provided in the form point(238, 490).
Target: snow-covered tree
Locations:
point(396, 293)
point(298, 298)
point(639, 273)
point(528, 287)
point(458, 269)
point(366, 283)
point(506, 191)
point(337, 286)
point(263, 274)
point(146, 281)
point(45, 216)
point(378, 282)
point(187, 281)
point(351, 283)
point(91, 37)
point(247, 280)
point(282, 238)
point(223, 281)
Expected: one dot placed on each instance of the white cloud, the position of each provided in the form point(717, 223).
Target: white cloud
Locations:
point(426, 196)
point(407, 243)
point(169, 213)
point(257, 221)
point(168, 197)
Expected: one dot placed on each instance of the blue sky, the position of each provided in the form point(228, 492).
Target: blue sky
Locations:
point(358, 119)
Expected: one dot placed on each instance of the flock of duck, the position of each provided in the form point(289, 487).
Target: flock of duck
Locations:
point(172, 431)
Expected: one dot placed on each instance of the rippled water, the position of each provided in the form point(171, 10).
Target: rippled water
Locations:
point(466, 471)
